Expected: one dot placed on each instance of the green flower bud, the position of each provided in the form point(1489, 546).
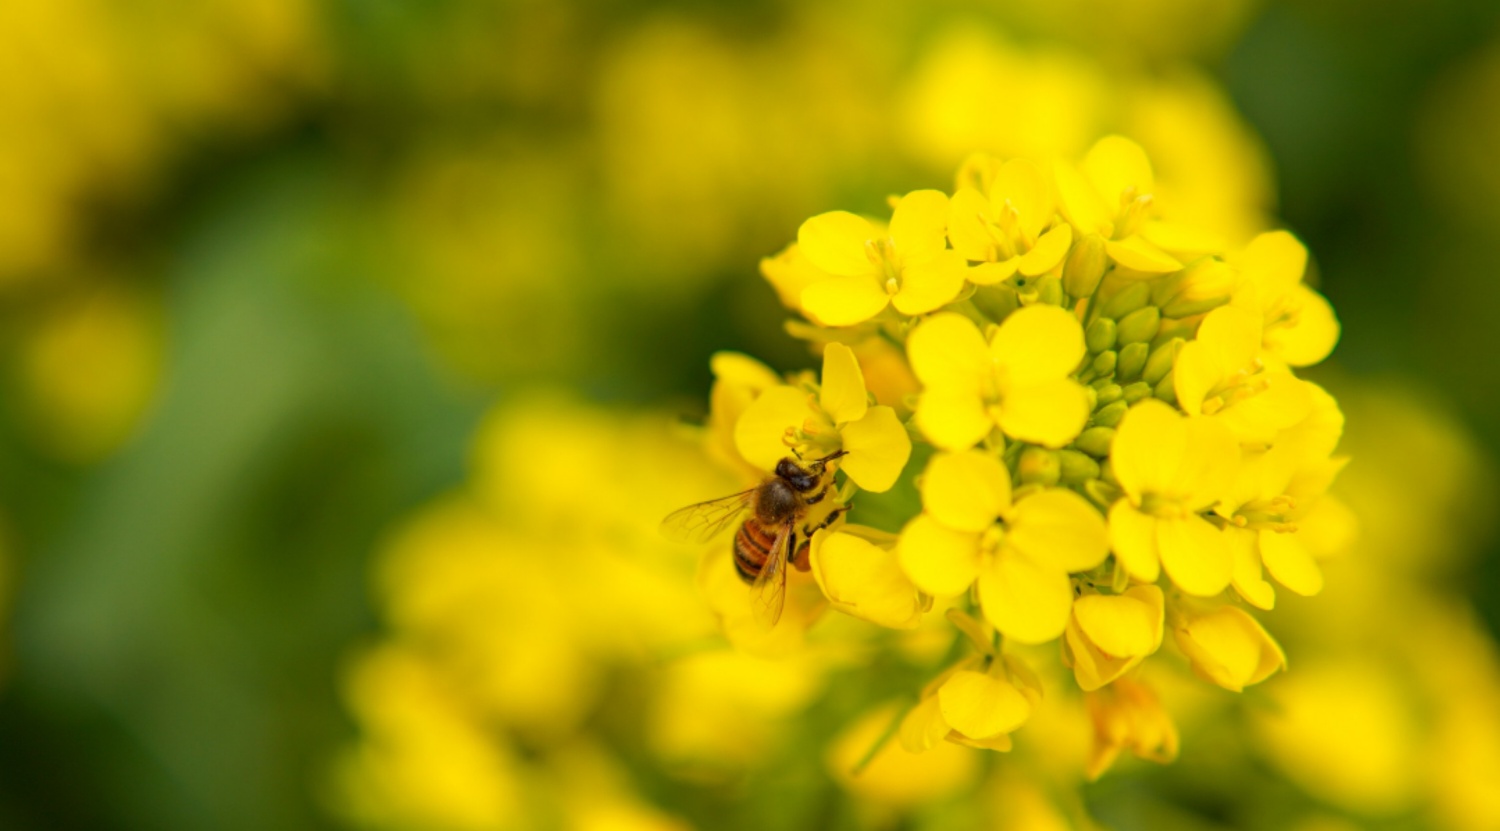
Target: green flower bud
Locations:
point(1049, 290)
point(1140, 325)
point(1085, 266)
point(1174, 329)
point(1132, 360)
point(1127, 300)
point(1095, 441)
point(1039, 466)
point(1110, 394)
point(1104, 363)
point(1101, 335)
point(1201, 286)
point(997, 302)
point(1111, 415)
point(1161, 361)
point(1077, 468)
point(1135, 392)
point(1166, 388)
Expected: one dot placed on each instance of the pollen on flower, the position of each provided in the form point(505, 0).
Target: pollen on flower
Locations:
point(1093, 436)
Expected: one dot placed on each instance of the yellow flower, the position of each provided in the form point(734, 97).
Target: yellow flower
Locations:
point(1112, 196)
point(1300, 327)
point(863, 579)
point(1172, 468)
point(1108, 635)
point(790, 273)
point(838, 416)
point(908, 265)
point(1018, 380)
point(896, 775)
point(738, 381)
point(1220, 374)
point(1127, 714)
point(1005, 230)
point(977, 703)
point(1228, 647)
point(1021, 554)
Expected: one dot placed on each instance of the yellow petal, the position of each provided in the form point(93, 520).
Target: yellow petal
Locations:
point(1125, 624)
point(1313, 336)
point(1210, 462)
point(1021, 184)
point(1049, 251)
point(742, 371)
point(878, 447)
point(988, 274)
point(1050, 413)
point(836, 242)
point(948, 351)
point(1289, 562)
point(966, 491)
point(1232, 335)
point(1149, 448)
point(923, 727)
point(1177, 238)
point(1115, 165)
point(1132, 536)
point(844, 301)
point(1137, 254)
point(758, 434)
point(928, 284)
point(980, 705)
point(1248, 581)
point(1038, 343)
point(1058, 528)
point(1276, 261)
point(939, 560)
point(1194, 376)
point(865, 581)
point(967, 226)
point(1080, 203)
point(842, 395)
point(1228, 647)
point(1195, 554)
point(953, 419)
point(919, 225)
point(1024, 599)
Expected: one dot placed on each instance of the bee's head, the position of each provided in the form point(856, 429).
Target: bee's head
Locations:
point(801, 479)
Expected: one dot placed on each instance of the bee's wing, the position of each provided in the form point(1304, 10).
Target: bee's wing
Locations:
point(768, 592)
point(703, 521)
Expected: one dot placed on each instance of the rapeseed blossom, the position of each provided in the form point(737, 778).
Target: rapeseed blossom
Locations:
point(1099, 445)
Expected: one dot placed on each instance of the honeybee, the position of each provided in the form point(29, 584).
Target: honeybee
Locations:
point(770, 536)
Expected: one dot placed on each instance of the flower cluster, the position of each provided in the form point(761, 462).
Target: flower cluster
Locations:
point(1071, 417)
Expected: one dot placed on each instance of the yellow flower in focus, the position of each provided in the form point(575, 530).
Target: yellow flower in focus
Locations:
point(1111, 195)
point(1219, 374)
point(1228, 647)
point(1300, 326)
point(838, 417)
point(862, 578)
point(1108, 635)
point(1018, 380)
point(1021, 553)
point(977, 703)
point(908, 265)
point(1127, 714)
point(1004, 229)
point(1172, 468)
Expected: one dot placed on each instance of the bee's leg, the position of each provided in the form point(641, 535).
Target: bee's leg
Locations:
point(813, 500)
point(803, 558)
point(827, 521)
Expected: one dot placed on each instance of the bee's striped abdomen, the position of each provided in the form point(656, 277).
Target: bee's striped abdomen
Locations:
point(752, 546)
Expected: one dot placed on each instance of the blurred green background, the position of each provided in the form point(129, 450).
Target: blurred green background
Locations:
point(265, 265)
